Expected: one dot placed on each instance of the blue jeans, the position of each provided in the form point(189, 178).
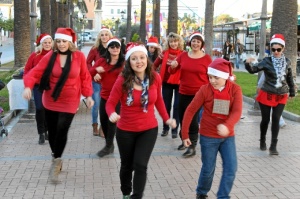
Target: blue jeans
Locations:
point(209, 149)
point(168, 91)
point(237, 61)
point(96, 98)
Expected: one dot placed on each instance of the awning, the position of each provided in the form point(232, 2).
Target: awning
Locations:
point(256, 25)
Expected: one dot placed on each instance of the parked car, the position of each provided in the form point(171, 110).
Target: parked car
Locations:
point(86, 36)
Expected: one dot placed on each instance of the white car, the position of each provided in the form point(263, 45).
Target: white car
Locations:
point(86, 36)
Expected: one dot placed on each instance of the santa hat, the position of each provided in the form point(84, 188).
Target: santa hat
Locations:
point(66, 34)
point(105, 29)
point(220, 68)
point(152, 41)
point(133, 47)
point(114, 39)
point(196, 34)
point(42, 38)
point(277, 38)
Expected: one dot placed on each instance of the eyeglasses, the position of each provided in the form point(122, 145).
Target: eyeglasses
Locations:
point(276, 49)
point(112, 47)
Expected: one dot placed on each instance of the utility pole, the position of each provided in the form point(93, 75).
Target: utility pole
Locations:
point(33, 17)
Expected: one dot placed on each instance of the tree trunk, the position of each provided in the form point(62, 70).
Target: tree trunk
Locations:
point(21, 33)
point(45, 16)
point(143, 21)
point(172, 16)
point(54, 17)
point(128, 26)
point(156, 19)
point(284, 21)
point(208, 27)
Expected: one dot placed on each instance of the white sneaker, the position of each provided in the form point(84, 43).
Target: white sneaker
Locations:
point(282, 125)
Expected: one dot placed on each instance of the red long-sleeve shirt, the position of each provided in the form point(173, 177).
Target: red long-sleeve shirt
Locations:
point(108, 77)
point(33, 60)
point(208, 126)
point(193, 73)
point(92, 57)
point(78, 82)
point(132, 117)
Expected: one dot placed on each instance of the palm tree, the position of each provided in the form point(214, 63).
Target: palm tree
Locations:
point(45, 17)
point(156, 18)
point(143, 21)
point(54, 17)
point(128, 29)
point(208, 27)
point(22, 33)
point(172, 16)
point(284, 21)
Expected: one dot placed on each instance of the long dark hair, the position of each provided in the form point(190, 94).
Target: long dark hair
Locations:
point(128, 74)
point(107, 56)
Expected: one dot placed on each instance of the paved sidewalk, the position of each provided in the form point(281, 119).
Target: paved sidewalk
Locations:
point(24, 165)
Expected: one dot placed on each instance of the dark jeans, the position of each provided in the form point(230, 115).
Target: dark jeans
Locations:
point(135, 150)
point(109, 128)
point(168, 91)
point(265, 119)
point(58, 126)
point(184, 101)
point(39, 111)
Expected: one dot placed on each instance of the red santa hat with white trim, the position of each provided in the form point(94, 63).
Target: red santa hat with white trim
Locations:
point(152, 41)
point(132, 47)
point(105, 29)
point(42, 38)
point(114, 39)
point(66, 34)
point(221, 68)
point(196, 34)
point(277, 38)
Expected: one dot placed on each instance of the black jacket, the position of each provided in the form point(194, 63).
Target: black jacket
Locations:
point(266, 65)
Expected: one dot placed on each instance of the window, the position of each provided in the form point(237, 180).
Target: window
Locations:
point(112, 11)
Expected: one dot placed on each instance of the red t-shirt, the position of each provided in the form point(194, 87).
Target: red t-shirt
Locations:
point(193, 73)
point(108, 77)
point(208, 126)
point(78, 82)
point(132, 117)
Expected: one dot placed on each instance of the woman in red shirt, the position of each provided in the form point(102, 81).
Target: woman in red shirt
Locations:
point(63, 77)
point(44, 45)
point(106, 70)
point(97, 51)
point(193, 68)
point(138, 90)
point(170, 87)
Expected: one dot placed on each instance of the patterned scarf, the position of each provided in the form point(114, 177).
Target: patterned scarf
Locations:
point(279, 66)
point(144, 96)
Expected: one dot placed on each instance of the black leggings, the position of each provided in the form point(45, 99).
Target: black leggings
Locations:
point(135, 151)
point(184, 101)
point(109, 128)
point(265, 119)
point(58, 124)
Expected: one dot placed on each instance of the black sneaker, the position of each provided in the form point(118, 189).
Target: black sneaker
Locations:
point(201, 196)
point(164, 133)
point(42, 139)
point(174, 134)
point(181, 147)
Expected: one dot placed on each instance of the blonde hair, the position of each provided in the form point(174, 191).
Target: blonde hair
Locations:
point(174, 37)
point(39, 48)
point(98, 40)
point(72, 46)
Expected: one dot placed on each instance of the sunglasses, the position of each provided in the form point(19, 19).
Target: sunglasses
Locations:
point(112, 47)
point(276, 49)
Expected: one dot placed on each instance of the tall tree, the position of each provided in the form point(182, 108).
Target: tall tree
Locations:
point(21, 33)
point(284, 21)
point(128, 33)
point(54, 17)
point(45, 17)
point(208, 27)
point(143, 21)
point(172, 16)
point(156, 19)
